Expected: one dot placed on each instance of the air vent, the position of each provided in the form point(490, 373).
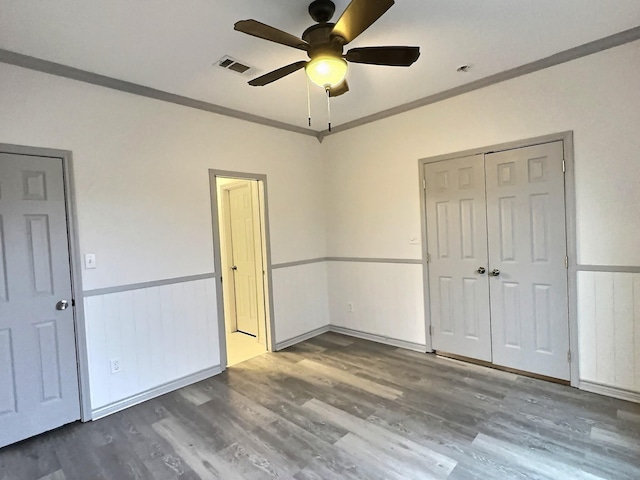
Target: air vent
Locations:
point(233, 65)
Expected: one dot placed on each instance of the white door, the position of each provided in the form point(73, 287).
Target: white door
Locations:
point(527, 245)
point(38, 369)
point(243, 254)
point(457, 243)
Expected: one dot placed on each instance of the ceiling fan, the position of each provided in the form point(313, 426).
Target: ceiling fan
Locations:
point(325, 41)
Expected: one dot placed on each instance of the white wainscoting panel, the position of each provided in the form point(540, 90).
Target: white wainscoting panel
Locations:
point(300, 300)
point(609, 328)
point(387, 299)
point(159, 335)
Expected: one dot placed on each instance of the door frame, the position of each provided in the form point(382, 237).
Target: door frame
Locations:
point(570, 221)
point(73, 241)
point(217, 257)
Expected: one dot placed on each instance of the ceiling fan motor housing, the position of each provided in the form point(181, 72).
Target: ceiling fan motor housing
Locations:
point(322, 10)
point(321, 42)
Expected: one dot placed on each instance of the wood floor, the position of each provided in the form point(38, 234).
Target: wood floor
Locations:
point(335, 407)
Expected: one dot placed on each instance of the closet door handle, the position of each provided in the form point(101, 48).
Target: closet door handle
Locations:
point(481, 270)
point(495, 272)
point(234, 268)
point(62, 305)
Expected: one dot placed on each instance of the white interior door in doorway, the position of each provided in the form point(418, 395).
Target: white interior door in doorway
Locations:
point(244, 254)
point(457, 239)
point(528, 247)
point(38, 368)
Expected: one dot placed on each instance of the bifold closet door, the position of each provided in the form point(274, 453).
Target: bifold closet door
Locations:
point(457, 239)
point(527, 245)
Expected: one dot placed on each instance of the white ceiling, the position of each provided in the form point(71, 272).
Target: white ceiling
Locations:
point(171, 45)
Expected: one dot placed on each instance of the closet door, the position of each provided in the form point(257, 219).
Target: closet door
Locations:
point(527, 249)
point(457, 243)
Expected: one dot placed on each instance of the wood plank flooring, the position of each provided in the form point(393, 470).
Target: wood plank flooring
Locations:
point(341, 408)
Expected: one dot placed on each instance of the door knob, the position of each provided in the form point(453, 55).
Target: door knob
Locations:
point(495, 272)
point(234, 268)
point(62, 305)
point(481, 270)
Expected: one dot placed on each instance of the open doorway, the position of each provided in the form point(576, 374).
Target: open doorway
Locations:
point(241, 239)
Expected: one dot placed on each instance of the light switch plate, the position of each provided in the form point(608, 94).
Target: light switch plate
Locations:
point(90, 261)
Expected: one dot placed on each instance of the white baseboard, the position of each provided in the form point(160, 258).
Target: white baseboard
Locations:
point(106, 410)
point(610, 391)
point(302, 338)
point(154, 392)
point(394, 342)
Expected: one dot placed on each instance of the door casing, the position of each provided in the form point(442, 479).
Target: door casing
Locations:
point(570, 219)
point(217, 257)
point(75, 270)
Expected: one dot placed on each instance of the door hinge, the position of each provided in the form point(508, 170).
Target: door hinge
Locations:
point(564, 166)
point(424, 184)
point(568, 356)
point(428, 258)
point(566, 262)
point(430, 331)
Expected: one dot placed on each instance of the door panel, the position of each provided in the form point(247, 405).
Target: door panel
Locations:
point(4, 294)
point(527, 243)
point(457, 240)
point(47, 341)
point(7, 375)
point(39, 250)
point(244, 258)
point(38, 368)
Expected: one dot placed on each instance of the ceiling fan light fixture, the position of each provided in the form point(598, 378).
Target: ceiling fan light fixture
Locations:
point(326, 71)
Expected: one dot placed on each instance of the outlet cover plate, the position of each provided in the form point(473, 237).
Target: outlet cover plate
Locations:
point(116, 365)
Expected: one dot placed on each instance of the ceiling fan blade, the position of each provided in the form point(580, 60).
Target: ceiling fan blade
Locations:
point(261, 30)
point(339, 89)
point(393, 56)
point(358, 16)
point(277, 74)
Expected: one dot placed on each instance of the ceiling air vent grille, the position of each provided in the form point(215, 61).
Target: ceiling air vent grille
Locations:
point(233, 65)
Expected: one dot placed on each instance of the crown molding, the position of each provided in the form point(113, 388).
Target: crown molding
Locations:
point(60, 70)
point(52, 68)
point(575, 53)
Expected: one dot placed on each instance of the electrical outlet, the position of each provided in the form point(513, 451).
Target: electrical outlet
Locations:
point(350, 307)
point(116, 365)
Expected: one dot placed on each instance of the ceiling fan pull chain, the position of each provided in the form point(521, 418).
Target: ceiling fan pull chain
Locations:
point(308, 102)
point(329, 106)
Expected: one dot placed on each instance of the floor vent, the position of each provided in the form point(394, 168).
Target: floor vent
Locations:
point(233, 65)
